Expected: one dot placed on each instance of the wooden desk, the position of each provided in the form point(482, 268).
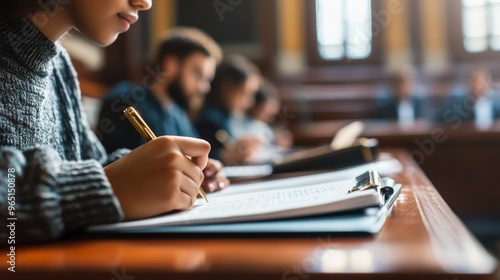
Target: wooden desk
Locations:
point(422, 239)
point(462, 162)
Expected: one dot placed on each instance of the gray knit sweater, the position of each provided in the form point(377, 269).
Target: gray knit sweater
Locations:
point(46, 146)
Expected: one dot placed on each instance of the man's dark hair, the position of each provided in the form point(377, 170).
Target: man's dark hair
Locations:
point(182, 42)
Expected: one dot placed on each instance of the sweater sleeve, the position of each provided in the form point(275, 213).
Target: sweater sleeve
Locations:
point(51, 197)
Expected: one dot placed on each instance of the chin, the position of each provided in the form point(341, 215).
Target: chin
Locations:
point(105, 41)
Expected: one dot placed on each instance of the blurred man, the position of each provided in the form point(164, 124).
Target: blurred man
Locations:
point(181, 74)
point(477, 104)
point(402, 103)
point(186, 60)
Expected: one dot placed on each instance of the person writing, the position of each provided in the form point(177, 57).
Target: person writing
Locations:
point(61, 176)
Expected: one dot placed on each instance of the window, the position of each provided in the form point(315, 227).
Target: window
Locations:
point(344, 29)
point(243, 27)
point(481, 25)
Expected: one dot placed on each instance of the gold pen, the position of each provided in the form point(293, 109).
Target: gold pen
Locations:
point(146, 133)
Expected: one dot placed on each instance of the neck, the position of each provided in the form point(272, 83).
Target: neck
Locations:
point(53, 25)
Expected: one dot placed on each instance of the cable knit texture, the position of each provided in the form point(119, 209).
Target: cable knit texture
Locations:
point(60, 185)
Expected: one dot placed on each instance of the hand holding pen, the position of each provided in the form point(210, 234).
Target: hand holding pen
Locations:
point(157, 177)
point(148, 135)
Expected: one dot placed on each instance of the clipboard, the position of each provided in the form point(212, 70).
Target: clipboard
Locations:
point(367, 221)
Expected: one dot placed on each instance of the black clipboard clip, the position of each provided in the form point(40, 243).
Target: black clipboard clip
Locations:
point(372, 180)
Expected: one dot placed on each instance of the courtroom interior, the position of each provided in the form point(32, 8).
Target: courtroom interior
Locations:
point(421, 76)
point(335, 62)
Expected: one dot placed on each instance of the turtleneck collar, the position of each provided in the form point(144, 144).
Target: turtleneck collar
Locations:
point(27, 44)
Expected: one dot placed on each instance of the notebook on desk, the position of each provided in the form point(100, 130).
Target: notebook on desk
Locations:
point(284, 205)
point(367, 221)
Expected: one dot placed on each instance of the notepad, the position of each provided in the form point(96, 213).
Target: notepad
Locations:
point(269, 200)
point(353, 223)
point(265, 205)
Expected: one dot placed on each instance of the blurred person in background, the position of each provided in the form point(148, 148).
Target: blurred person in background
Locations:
point(403, 101)
point(233, 93)
point(478, 103)
point(262, 122)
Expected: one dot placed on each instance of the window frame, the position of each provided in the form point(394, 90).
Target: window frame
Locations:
point(313, 53)
point(456, 37)
point(266, 45)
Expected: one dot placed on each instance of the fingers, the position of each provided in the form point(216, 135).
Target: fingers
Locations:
point(214, 178)
point(183, 194)
point(213, 167)
point(191, 171)
point(239, 153)
point(215, 183)
point(190, 155)
point(175, 160)
point(252, 141)
point(250, 146)
point(196, 149)
point(189, 187)
point(184, 202)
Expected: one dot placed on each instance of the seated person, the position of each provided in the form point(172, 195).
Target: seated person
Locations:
point(64, 181)
point(262, 122)
point(233, 93)
point(402, 103)
point(187, 58)
point(476, 104)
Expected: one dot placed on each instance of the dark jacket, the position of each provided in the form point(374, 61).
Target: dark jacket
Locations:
point(117, 132)
point(387, 108)
point(211, 120)
point(461, 108)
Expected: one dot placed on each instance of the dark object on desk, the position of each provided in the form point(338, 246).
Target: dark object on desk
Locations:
point(363, 150)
